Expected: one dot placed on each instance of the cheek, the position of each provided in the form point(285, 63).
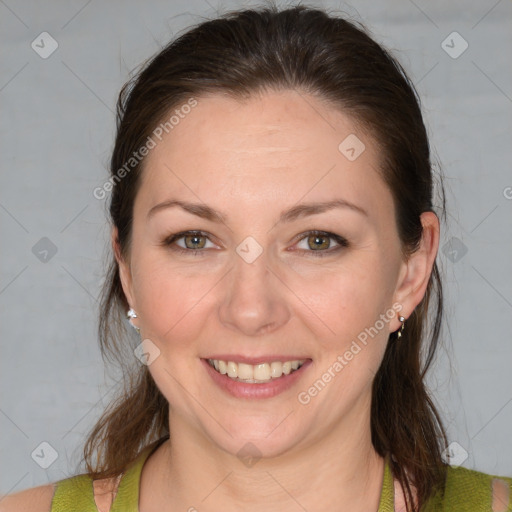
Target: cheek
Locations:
point(346, 298)
point(356, 311)
point(172, 300)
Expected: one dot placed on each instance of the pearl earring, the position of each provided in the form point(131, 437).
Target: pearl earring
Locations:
point(131, 314)
point(401, 330)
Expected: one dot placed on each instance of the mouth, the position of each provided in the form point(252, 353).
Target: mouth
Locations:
point(260, 373)
point(263, 379)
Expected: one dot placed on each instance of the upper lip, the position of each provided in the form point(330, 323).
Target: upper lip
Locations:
point(239, 358)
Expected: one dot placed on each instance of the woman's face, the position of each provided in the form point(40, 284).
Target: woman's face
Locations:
point(260, 287)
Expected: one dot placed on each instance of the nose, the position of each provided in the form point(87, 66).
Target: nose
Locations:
point(255, 300)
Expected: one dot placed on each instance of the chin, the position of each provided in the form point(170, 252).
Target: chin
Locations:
point(251, 439)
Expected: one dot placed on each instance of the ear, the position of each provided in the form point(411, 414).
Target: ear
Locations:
point(124, 269)
point(415, 272)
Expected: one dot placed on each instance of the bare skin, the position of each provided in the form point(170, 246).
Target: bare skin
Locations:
point(251, 161)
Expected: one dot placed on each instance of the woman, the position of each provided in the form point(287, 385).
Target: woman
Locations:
point(274, 245)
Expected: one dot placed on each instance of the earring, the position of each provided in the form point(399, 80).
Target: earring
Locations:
point(131, 314)
point(401, 330)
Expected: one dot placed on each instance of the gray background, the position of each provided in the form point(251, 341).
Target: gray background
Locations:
point(57, 128)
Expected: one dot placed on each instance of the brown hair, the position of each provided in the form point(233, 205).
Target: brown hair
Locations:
point(309, 50)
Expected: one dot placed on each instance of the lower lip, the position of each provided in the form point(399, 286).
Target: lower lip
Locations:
point(240, 389)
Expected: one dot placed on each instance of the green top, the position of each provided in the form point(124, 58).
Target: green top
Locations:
point(466, 491)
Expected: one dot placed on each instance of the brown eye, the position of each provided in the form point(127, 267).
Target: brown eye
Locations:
point(317, 242)
point(189, 242)
point(195, 241)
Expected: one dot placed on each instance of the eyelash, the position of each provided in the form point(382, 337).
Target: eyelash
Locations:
point(343, 243)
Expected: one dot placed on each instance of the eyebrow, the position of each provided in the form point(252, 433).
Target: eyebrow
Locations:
point(302, 210)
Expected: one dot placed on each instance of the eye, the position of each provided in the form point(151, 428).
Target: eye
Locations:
point(318, 243)
point(193, 242)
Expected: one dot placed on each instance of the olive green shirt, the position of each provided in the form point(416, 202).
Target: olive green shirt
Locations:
point(465, 491)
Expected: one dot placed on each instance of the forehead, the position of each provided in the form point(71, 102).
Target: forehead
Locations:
point(273, 147)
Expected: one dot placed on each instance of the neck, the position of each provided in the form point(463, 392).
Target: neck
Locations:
point(341, 471)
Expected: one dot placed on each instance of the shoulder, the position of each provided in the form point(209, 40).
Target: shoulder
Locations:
point(35, 499)
point(468, 489)
point(470, 479)
point(79, 489)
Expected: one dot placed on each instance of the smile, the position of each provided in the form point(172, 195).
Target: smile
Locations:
point(255, 373)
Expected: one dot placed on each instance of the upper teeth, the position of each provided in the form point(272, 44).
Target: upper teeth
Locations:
point(255, 372)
